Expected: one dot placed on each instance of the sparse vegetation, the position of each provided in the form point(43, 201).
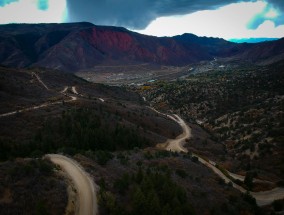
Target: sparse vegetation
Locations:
point(241, 108)
point(240, 111)
point(161, 185)
point(30, 186)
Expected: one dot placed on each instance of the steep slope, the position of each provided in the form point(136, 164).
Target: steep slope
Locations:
point(31, 99)
point(81, 46)
point(265, 53)
point(100, 45)
point(21, 45)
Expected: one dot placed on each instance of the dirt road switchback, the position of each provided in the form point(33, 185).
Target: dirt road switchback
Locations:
point(87, 200)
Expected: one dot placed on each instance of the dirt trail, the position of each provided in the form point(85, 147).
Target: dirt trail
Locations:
point(74, 90)
point(262, 198)
point(176, 145)
point(85, 186)
point(64, 90)
point(102, 100)
point(39, 79)
point(72, 98)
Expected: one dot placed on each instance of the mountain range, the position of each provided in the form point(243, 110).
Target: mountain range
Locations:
point(252, 40)
point(75, 47)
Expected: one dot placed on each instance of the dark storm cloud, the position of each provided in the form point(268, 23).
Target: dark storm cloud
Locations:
point(134, 13)
point(137, 14)
point(128, 13)
point(278, 4)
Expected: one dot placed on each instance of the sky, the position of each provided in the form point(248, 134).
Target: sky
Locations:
point(226, 19)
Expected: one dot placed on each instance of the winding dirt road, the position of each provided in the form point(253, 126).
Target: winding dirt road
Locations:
point(262, 198)
point(176, 145)
point(85, 187)
point(84, 184)
point(72, 98)
point(30, 108)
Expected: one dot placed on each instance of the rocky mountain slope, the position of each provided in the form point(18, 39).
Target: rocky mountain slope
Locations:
point(81, 46)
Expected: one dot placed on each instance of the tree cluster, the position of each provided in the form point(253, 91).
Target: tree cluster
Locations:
point(147, 192)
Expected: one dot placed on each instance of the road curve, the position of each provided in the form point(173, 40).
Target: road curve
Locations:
point(242, 178)
point(267, 197)
point(74, 90)
point(176, 145)
point(262, 198)
point(84, 184)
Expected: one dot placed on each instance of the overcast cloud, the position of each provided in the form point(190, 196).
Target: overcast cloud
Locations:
point(134, 14)
point(220, 18)
point(137, 14)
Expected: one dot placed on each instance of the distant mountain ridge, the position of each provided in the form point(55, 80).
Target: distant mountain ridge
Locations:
point(252, 40)
point(81, 46)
